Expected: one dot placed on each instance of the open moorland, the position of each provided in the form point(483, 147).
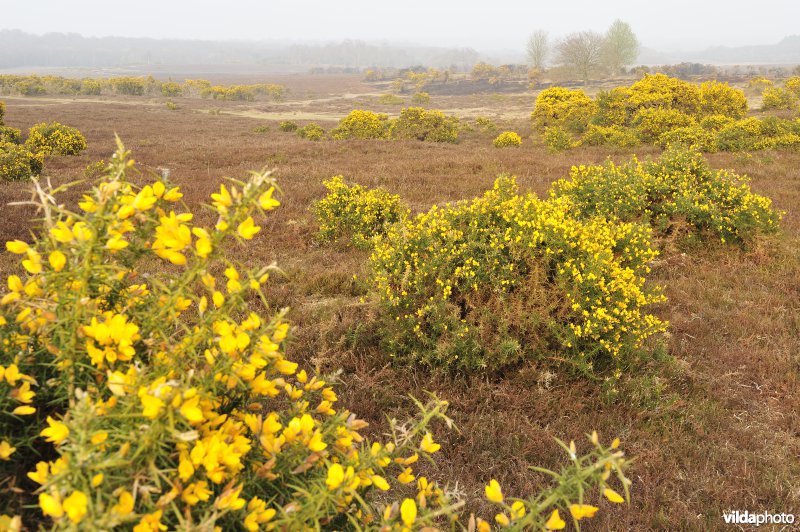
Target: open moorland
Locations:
point(711, 418)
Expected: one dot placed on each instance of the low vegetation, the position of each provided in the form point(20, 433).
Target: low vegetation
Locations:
point(149, 389)
point(661, 110)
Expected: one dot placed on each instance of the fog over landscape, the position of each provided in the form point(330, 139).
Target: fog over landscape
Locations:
point(445, 32)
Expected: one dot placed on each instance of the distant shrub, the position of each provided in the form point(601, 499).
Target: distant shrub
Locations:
point(128, 86)
point(722, 99)
point(759, 84)
point(10, 134)
point(359, 124)
point(485, 124)
point(740, 135)
point(557, 106)
point(18, 163)
point(2, 112)
point(355, 213)
point(171, 89)
point(507, 139)
point(31, 87)
point(680, 186)
point(651, 123)
point(486, 283)
point(689, 136)
point(229, 93)
point(287, 126)
point(390, 99)
point(613, 108)
point(91, 87)
point(421, 98)
point(427, 125)
point(172, 106)
point(95, 169)
point(661, 91)
point(617, 136)
point(793, 85)
point(715, 122)
point(311, 131)
point(55, 138)
point(262, 129)
point(558, 139)
point(778, 99)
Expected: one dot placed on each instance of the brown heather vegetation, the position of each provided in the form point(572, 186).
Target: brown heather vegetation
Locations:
point(713, 423)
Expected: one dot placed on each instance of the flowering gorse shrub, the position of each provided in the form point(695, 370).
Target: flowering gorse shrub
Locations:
point(420, 98)
point(359, 124)
point(557, 139)
point(489, 282)
point(311, 131)
point(775, 98)
point(557, 106)
point(356, 213)
point(55, 139)
point(656, 110)
point(507, 139)
point(141, 390)
point(722, 99)
point(609, 136)
point(287, 126)
point(18, 163)
point(421, 124)
point(651, 123)
point(10, 134)
point(759, 134)
point(679, 187)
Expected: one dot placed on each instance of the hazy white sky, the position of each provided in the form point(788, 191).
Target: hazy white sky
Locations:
point(485, 25)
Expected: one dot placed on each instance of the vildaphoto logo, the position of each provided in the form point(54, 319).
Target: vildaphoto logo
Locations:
point(737, 517)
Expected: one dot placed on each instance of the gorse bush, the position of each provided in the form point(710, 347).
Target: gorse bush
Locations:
point(421, 124)
point(2, 112)
point(507, 139)
point(18, 163)
point(311, 131)
point(661, 110)
point(287, 126)
point(651, 123)
point(609, 136)
point(504, 277)
point(21, 162)
point(678, 188)
point(778, 99)
point(55, 138)
point(356, 213)
point(172, 89)
point(557, 106)
point(10, 134)
point(421, 98)
point(557, 139)
point(722, 99)
point(145, 392)
point(359, 124)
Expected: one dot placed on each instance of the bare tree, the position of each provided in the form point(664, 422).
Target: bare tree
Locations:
point(582, 52)
point(621, 46)
point(538, 48)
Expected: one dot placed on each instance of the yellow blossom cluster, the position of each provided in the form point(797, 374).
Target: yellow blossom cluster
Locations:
point(487, 282)
point(680, 187)
point(507, 139)
point(665, 111)
point(356, 213)
point(140, 390)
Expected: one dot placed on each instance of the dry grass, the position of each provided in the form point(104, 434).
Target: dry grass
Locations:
point(714, 425)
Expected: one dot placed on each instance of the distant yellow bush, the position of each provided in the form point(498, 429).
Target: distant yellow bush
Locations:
point(557, 106)
point(507, 139)
point(359, 124)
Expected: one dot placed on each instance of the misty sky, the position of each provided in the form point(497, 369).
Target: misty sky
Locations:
point(485, 25)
